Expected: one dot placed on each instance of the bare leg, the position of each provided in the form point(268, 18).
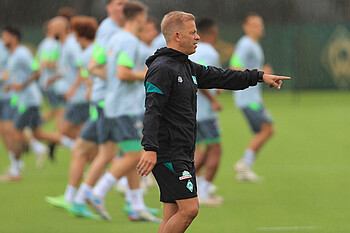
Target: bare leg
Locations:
point(187, 211)
point(200, 157)
point(134, 179)
point(124, 166)
point(104, 156)
point(169, 209)
point(261, 137)
point(80, 156)
point(68, 129)
point(46, 136)
point(213, 161)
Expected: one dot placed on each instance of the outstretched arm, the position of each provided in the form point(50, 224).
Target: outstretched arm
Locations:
point(213, 77)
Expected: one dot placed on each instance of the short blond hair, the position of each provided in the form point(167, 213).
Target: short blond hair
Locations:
point(174, 22)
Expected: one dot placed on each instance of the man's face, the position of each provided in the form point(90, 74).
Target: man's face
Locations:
point(189, 37)
point(7, 38)
point(115, 9)
point(141, 20)
point(254, 26)
point(148, 33)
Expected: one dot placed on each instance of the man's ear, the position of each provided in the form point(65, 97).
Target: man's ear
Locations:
point(177, 36)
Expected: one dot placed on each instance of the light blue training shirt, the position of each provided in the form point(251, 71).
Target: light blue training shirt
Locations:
point(205, 55)
point(248, 55)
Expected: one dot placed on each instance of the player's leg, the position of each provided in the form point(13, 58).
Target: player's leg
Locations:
point(187, 211)
point(21, 120)
point(67, 126)
point(210, 135)
point(127, 129)
point(261, 124)
point(169, 210)
point(259, 139)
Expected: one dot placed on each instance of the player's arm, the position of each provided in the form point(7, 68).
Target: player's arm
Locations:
point(97, 65)
point(96, 69)
point(125, 64)
point(32, 64)
point(19, 86)
point(75, 85)
point(125, 73)
point(216, 106)
point(88, 84)
point(157, 93)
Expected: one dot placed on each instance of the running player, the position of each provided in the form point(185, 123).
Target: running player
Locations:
point(208, 132)
point(6, 110)
point(92, 135)
point(169, 132)
point(46, 60)
point(29, 98)
point(249, 55)
point(124, 111)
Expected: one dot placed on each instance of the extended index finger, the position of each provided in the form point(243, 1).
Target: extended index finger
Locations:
point(282, 77)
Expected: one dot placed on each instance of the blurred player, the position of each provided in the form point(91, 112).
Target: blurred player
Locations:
point(249, 55)
point(146, 36)
point(6, 110)
point(208, 132)
point(159, 41)
point(124, 111)
point(46, 60)
point(92, 135)
point(19, 66)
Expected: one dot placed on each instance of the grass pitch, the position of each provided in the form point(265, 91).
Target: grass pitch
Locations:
point(305, 166)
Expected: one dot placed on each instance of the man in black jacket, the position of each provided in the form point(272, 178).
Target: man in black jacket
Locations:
point(169, 133)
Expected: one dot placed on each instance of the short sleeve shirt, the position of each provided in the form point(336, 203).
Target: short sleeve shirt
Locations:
point(248, 55)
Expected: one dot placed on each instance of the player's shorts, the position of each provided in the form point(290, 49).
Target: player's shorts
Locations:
point(208, 131)
point(257, 115)
point(176, 180)
point(7, 112)
point(54, 99)
point(77, 113)
point(126, 130)
point(27, 117)
point(93, 129)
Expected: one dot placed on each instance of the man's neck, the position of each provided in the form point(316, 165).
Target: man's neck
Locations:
point(207, 40)
point(253, 38)
point(63, 38)
point(116, 20)
point(13, 47)
point(87, 43)
point(131, 27)
point(175, 47)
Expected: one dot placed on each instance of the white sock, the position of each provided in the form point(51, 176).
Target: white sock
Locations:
point(128, 196)
point(67, 142)
point(37, 147)
point(83, 190)
point(249, 157)
point(204, 189)
point(104, 185)
point(15, 169)
point(136, 200)
point(123, 182)
point(70, 193)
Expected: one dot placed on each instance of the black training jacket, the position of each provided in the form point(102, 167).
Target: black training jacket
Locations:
point(172, 80)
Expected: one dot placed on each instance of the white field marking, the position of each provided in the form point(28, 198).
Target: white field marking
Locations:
point(295, 228)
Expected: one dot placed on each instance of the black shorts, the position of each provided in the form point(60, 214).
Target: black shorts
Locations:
point(176, 180)
point(257, 117)
point(27, 117)
point(208, 132)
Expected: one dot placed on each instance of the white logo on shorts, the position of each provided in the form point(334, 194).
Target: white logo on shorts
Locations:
point(180, 79)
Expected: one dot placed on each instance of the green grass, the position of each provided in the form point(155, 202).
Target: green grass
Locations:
point(305, 166)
